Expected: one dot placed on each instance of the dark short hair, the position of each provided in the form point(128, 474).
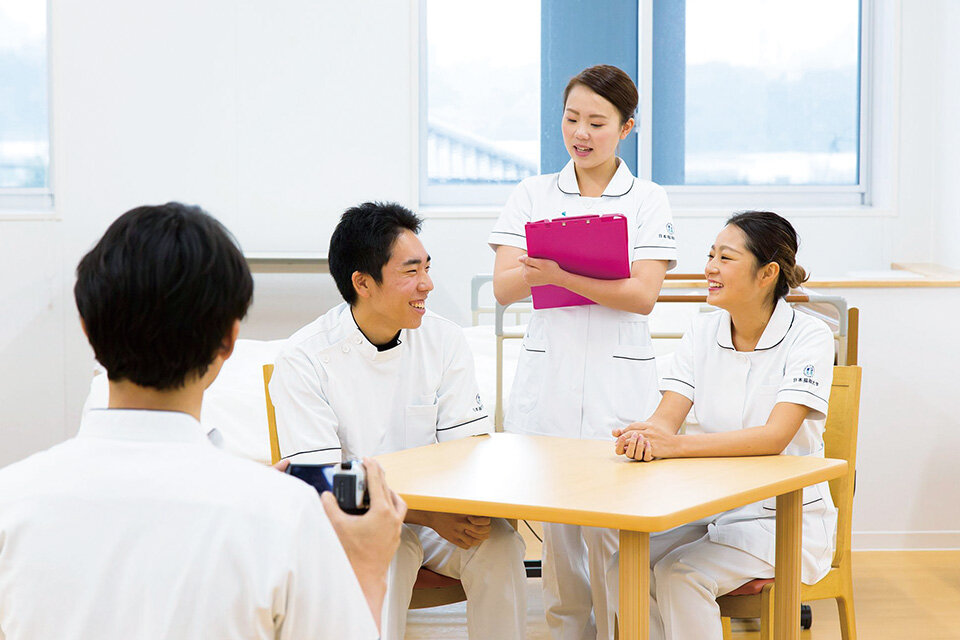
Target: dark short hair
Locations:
point(611, 83)
point(159, 292)
point(771, 238)
point(362, 242)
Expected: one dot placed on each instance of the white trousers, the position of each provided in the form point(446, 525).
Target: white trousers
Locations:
point(688, 572)
point(579, 601)
point(492, 574)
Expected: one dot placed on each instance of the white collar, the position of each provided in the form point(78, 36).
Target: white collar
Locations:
point(348, 334)
point(773, 334)
point(620, 184)
point(143, 425)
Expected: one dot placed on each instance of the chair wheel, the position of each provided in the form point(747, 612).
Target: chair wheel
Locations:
point(806, 616)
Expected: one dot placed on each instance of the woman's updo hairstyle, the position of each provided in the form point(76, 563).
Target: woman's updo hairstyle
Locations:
point(771, 238)
point(610, 83)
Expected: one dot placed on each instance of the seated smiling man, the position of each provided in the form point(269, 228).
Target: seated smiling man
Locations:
point(379, 373)
point(139, 527)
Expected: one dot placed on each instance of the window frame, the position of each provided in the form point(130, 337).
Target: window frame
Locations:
point(17, 203)
point(469, 196)
point(878, 23)
point(875, 194)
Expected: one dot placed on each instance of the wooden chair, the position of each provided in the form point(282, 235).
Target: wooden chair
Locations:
point(755, 599)
point(853, 336)
point(431, 589)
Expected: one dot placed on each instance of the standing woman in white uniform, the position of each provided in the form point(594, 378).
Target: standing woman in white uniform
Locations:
point(758, 374)
point(585, 370)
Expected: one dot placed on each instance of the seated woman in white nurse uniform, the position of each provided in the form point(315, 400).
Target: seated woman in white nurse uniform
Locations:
point(759, 374)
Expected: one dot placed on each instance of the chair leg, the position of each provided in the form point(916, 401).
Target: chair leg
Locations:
point(848, 621)
point(727, 631)
point(766, 613)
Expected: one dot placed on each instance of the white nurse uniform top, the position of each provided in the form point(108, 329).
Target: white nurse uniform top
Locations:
point(585, 370)
point(730, 390)
point(338, 397)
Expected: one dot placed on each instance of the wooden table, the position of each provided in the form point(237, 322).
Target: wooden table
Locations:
point(582, 482)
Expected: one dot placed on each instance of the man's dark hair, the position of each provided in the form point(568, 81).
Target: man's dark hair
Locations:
point(362, 241)
point(159, 292)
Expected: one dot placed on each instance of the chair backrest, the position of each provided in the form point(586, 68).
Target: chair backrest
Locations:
point(853, 334)
point(840, 441)
point(271, 415)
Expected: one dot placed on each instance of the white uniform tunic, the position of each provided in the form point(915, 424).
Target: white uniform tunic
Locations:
point(731, 390)
point(586, 370)
point(582, 372)
point(337, 397)
point(693, 564)
point(140, 528)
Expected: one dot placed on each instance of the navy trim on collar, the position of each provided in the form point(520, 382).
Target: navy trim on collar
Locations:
point(569, 193)
point(620, 176)
point(618, 195)
point(792, 318)
point(777, 329)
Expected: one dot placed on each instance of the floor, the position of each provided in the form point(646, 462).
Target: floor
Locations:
point(904, 594)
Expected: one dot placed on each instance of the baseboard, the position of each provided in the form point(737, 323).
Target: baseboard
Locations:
point(905, 540)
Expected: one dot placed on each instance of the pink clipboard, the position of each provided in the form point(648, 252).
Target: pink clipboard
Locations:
point(593, 246)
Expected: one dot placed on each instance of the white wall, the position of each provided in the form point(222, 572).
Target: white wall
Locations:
point(907, 470)
point(275, 116)
point(946, 159)
point(32, 336)
point(272, 117)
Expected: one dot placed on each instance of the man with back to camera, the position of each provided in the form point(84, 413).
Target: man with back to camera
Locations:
point(379, 373)
point(139, 527)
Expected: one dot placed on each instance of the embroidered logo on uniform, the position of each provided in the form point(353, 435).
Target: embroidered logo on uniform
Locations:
point(479, 406)
point(807, 377)
point(669, 232)
point(563, 213)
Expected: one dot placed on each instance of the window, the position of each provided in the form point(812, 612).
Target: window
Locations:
point(480, 80)
point(745, 104)
point(24, 113)
point(770, 93)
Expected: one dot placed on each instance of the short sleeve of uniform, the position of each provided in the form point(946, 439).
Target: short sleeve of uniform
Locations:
point(460, 409)
point(510, 227)
point(655, 239)
point(677, 374)
point(306, 424)
point(322, 598)
point(808, 372)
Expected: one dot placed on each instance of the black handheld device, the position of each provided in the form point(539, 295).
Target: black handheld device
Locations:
point(346, 480)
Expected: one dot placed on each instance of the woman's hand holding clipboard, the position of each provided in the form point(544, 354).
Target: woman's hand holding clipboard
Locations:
point(592, 246)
